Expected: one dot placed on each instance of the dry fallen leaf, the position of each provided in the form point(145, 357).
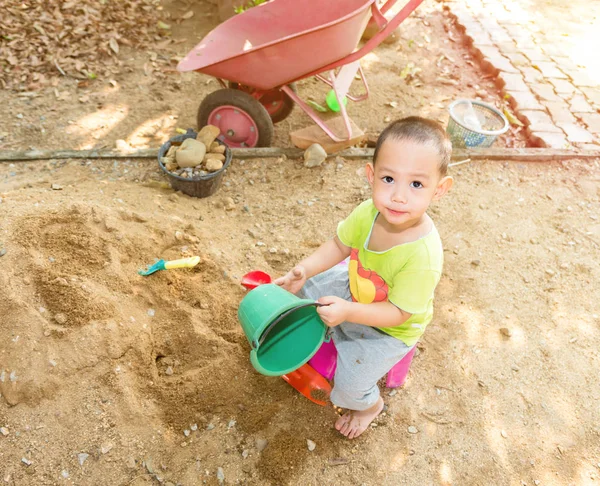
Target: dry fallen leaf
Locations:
point(513, 120)
point(187, 15)
point(114, 45)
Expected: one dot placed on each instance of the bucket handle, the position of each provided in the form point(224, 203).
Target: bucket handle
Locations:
point(257, 343)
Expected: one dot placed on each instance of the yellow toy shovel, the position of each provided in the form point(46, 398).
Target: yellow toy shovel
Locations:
point(162, 265)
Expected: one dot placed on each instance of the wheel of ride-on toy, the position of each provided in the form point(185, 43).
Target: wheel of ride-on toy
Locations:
point(277, 103)
point(243, 121)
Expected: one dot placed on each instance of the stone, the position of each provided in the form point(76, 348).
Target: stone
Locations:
point(592, 121)
point(106, 448)
point(186, 432)
point(56, 187)
point(563, 86)
point(314, 156)
point(579, 104)
point(60, 318)
point(245, 453)
point(476, 263)
point(504, 434)
point(169, 371)
point(190, 153)
point(211, 155)
point(261, 444)
point(550, 140)
point(513, 82)
point(220, 475)
point(545, 91)
point(208, 134)
point(311, 445)
point(524, 100)
point(576, 134)
point(26, 461)
point(412, 429)
point(560, 111)
point(210, 426)
point(217, 148)
point(228, 204)
point(81, 457)
point(2, 252)
point(4, 431)
point(213, 165)
point(550, 70)
point(505, 331)
point(539, 121)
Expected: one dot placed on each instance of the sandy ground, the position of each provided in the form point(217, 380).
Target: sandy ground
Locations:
point(103, 371)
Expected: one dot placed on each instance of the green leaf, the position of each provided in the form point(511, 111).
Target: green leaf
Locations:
point(316, 106)
point(91, 75)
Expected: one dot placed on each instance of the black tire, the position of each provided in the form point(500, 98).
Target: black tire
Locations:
point(286, 108)
point(244, 102)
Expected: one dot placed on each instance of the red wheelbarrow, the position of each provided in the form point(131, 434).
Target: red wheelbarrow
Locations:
point(258, 55)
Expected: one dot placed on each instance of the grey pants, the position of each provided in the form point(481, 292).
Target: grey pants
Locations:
point(365, 354)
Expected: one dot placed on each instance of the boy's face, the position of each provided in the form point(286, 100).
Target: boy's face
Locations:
point(405, 179)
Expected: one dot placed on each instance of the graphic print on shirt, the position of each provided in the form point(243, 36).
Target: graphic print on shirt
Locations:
point(365, 285)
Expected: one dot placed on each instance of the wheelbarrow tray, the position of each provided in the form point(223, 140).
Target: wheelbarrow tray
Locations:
point(280, 41)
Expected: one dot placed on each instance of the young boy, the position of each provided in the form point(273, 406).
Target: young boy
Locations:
point(380, 304)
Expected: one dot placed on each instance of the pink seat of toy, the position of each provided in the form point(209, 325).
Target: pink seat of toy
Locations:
point(325, 362)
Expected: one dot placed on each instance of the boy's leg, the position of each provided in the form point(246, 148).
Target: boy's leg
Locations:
point(330, 282)
point(365, 355)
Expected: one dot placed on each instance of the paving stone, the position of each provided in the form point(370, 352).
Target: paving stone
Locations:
point(593, 147)
point(525, 43)
point(579, 104)
point(513, 82)
point(524, 100)
point(480, 38)
point(562, 86)
point(500, 35)
point(560, 112)
point(549, 70)
point(507, 47)
point(592, 121)
point(532, 76)
point(518, 59)
point(575, 133)
point(544, 91)
point(472, 26)
point(535, 55)
point(489, 24)
point(539, 121)
point(592, 95)
point(549, 139)
point(581, 79)
point(565, 63)
point(550, 48)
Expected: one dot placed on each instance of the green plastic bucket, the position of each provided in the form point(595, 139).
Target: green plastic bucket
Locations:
point(283, 330)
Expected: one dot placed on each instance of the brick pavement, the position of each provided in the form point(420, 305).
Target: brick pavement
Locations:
point(543, 56)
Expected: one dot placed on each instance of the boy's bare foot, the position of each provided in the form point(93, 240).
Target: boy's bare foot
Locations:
point(354, 422)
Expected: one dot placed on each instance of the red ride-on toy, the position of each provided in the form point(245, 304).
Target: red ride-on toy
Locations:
point(258, 55)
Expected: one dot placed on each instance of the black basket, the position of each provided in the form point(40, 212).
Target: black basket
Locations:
point(202, 186)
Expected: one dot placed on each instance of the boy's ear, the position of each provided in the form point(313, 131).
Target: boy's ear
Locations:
point(443, 187)
point(370, 172)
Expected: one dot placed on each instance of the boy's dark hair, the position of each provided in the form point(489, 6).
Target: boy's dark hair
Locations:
point(419, 130)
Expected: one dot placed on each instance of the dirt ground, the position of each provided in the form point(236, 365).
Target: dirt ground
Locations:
point(107, 377)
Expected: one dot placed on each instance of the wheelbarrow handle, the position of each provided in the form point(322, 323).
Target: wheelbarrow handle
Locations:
point(385, 28)
point(257, 343)
point(378, 13)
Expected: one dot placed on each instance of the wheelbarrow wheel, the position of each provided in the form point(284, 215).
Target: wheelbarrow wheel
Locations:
point(277, 103)
point(243, 121)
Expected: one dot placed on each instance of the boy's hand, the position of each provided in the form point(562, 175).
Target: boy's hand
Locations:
point(294, 280)
point(334, 310)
